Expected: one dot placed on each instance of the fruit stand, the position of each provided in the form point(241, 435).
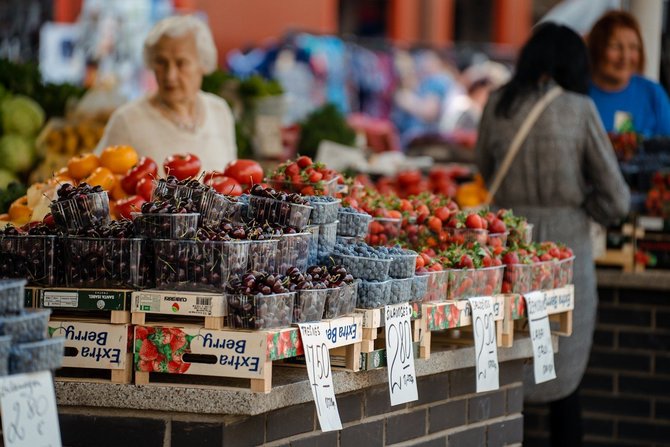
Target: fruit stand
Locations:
point(208, 280)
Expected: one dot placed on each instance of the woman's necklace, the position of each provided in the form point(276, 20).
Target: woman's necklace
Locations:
point(189, 125)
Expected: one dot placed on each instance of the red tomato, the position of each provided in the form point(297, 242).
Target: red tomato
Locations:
point(131, 204)
point(146, 167)
point(246, 172)
point(182, 166)
point(144, 188)
point(225, 185)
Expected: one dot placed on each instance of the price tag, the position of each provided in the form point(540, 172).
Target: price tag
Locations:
point(29, 415)
point(486, 349)
point(317, 359)
point(400, 354)
point(540, 337)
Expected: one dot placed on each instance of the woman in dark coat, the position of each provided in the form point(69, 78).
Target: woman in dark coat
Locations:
point(564, 175)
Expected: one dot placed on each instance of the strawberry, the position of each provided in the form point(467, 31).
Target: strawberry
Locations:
point(304, 161)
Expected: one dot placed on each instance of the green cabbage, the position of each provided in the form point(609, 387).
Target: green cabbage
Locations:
point(21, 115)
point(17, 153)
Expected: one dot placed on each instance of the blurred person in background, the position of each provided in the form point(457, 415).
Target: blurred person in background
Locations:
point(564, 175)
point(418, 102)
point(625, 99)
point(178, 117)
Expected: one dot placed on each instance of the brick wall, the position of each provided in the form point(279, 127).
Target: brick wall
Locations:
point(626, 389)
point(448, 412)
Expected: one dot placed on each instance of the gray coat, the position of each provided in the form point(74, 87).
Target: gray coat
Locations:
point(564, 174)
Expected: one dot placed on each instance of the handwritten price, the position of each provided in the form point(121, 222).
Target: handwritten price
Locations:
point(319, 358)
point(485, 328)
point(400, 338)
point(32, 408)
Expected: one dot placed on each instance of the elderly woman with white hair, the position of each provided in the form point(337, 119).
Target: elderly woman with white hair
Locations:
point(178, 117)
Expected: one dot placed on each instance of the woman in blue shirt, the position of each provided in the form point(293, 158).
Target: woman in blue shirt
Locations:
point(625, 100)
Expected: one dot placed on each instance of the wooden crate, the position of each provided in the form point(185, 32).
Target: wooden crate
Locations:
point(452, 315)
point(231, 357)
point(155, 306)
point(560, 304)
point(112, 306)
point(95, 351)
point(373, 326)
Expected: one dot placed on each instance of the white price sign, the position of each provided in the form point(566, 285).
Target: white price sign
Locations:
point(486, 348)
point(400, 354)
point(29, 415)
point(317, 358)
point(540, 337)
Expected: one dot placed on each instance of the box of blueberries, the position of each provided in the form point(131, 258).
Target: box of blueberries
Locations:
point(84, 299)
point(179, 303)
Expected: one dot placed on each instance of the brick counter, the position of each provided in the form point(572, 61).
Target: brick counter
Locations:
point(448, 412)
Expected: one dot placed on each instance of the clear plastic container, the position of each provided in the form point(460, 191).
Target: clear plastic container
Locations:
point(403, 266)
point(374, 294)
point(106, 263)
point(198, 265)
point(528, 233)
point(488, 280)
point(260, 311)
point(262, 255)
point(85, 211)
point(517, 278)
point(293, 251)
point(166, 226)
point(353, 224)
point(324, 187)
point(37, 356)
point(369, 269)
point(163, 191)
point(383, 230)
point(563, 272)
point(309, 305)
point(36, 258)
point(341, 301)
point(419, 287)
point(542, 277)
point(12, 295)
point(324, 212)
point(497, 240)
point(277, 212)
point(5, 347)
point(30, 325)
point(327, 239)
point(461, 284)
point(438, 283)
point(462, 236)
point(401, 290)
point(217, 207)
point(313, 244)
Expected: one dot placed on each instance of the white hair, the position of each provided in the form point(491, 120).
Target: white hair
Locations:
point(177, 26)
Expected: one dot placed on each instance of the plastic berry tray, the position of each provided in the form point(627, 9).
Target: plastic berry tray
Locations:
point(403, 266)
point(528, 233)
point(163, 191)
point(309, 305)
point(216, 207)
point(324, 187)
point(85, 211)
point(327, 239)
point(323, 212)
point(198, 265)
point(166, 225)
point(382, 230)
point(517, 278)
point(438, 283)
point(341, 301)
point(260, 311)
point(278, 212)
point(401, 290)
point(5, 347)
point(262, 255)
point(462, 236)
point(496, 240)
point(563, 272)
point(30, 325)
point(293, 251)
point(542, 276)
point(353, 224)
point(419, 287)
point(12, 295)
point(461, 284)
point(373, 294)
point(488, 280)
point(313, 230)
point(37, 355)
point(106, 262)
point(369, 269)
point(37, 258)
